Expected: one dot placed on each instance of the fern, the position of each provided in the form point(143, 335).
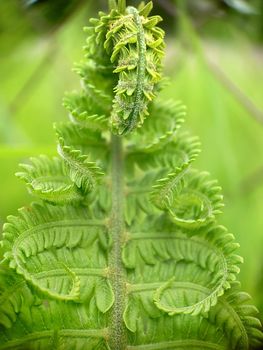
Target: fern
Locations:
point(122, 249)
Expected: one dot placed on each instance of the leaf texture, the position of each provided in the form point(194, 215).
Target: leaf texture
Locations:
point(50, 248)
point(223, 327)
point(159, 129)
point(211, 254)
point(81, 109)
point(123, 250)
point(191, 199)
point(47, 179)
point(72, 146)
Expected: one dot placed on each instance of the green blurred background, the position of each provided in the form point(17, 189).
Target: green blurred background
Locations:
point(214, 61)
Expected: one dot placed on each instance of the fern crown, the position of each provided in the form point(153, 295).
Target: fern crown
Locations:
point(122, 249)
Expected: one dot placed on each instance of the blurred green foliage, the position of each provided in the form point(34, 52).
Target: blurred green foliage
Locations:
point(214, 60)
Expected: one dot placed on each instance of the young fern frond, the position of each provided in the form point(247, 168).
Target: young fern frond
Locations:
point(47, 179)
point(123, 250)
point(74, 149)
point(189, 197)
point(135, 48)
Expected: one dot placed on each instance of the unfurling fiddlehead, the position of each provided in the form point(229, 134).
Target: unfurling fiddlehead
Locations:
point(122, 251)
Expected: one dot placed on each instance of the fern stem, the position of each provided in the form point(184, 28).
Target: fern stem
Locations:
point(117, 229)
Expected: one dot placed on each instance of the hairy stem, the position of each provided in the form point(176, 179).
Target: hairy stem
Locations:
point(117, 229)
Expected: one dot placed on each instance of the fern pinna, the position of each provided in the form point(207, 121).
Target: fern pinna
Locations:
point(122, 250)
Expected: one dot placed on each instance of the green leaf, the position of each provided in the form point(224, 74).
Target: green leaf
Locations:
point(130, 315)
point(47, 179)
point(14, 295)
point(45, 245)
point(224, 326)
point(117, 264)
point(159, 129)
point(104, 295)
point(81, 110)
point(208, 259)
point(82, 171)
point(190, 198)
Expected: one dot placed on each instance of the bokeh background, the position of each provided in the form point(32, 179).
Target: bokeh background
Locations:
point(214, 61)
